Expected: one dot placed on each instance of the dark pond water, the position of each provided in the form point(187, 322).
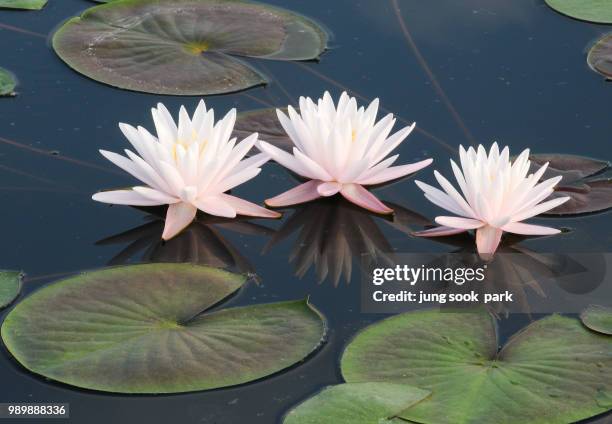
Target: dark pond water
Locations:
point(514, 71)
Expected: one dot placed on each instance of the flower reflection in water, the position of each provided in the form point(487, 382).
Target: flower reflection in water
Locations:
point(202, 243)
point(534, 278)
point(332, 233)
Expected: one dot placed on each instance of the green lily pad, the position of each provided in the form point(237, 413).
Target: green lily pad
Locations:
point(23, 4)
point(7, 83)
point(599, 11)
point(264, 122)
point(141, 329)
point(598, 318)
point(357, 403)
point(588, 193)
point(600, 56)
point(184, 47)
point(10, 286)
point(553, 371)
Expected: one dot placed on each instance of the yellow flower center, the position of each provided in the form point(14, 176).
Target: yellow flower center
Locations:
point(197, 48)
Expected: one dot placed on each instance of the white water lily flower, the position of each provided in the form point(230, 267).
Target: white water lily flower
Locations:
point(496, 195)
point(340, 150)
point(188, 166)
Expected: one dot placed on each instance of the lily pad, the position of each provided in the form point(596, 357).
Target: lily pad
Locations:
point(598, 318)
point(10, 286)
point(588, 193)
point(600, 56)
point(141, 329)
point(599, 11)
point(7, 83)
point(357, 403)
point(264, 122)
point(553, 371)
point(23, 4)
point(184, 47)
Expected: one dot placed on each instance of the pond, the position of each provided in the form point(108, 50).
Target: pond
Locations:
point(467, 72)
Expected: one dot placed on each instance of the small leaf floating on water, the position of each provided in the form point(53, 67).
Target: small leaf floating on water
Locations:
point(184, 47)
point(588, 192)
point(86, 331)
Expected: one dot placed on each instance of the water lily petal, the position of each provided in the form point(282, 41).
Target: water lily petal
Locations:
point(237, 179)
point(395, 172)
point(216, 205)
point(376, 169)
point(285, 159)
point(155, 195)
point(440, 198)
point(454, 194)
point(327, 189)
point(487, 240)
point(128, 166)
point(243, 207)
point(392, 142)
point(124, 197)
point(439, 232)
point(303, 193)
point(178, 217)
point(136, 139)
point(361, 197)
point(236, 154)
point(254, 161)
point(529, 229)
point(313, 167)
point(541, 208)
point(457, 222)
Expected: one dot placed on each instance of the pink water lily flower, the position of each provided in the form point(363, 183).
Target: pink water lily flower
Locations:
point(188, 166)
point(339, 150)
point(496, 196)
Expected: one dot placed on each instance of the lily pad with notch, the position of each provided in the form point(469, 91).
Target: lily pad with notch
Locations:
point(598, 318)
point(184, 47)
point(554, 370)
point(582, 181)
point(357, 403)
point(10, 286)
point(141, 329)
